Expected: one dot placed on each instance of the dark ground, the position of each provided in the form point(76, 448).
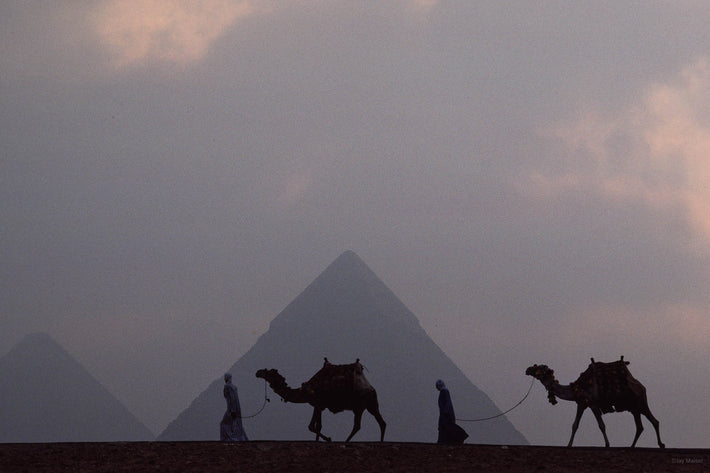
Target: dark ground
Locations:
point(178, 457)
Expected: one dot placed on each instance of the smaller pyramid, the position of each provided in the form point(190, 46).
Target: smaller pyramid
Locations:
point(47, 396)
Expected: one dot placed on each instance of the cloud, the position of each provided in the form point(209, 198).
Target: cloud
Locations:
point(178, 31)
point(292, 189)
point(679, 134)
point(655, 151)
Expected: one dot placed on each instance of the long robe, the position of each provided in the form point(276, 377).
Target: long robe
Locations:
point(449, 432)
point(230, 429)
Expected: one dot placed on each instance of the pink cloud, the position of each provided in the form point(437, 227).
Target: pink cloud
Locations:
point(178, 31)
point(655, 151)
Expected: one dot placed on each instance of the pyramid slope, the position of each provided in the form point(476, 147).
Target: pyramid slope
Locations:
point(47, 396)
point(347, 313)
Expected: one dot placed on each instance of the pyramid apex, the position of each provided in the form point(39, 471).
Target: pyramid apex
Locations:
point(348, 263)
point(346, 293)
point(348, 255)
point(32, 342)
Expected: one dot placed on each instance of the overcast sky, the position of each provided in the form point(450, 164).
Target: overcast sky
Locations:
point(532, 179)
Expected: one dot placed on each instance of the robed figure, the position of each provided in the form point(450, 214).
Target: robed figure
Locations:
point(230, 429)
point(449, 432)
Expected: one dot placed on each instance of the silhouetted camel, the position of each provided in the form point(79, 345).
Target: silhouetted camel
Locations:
point(604, 388)
point(334, 387)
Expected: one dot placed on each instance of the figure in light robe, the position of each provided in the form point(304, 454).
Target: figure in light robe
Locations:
point(449, 432)
point(230, 429)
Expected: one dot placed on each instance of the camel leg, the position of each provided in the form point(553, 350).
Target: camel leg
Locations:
point(575, 424)
point(316, 424)
point(378, 417)
point(356, 423)
point(656, 425)
point(639, 427)
point(598, 415)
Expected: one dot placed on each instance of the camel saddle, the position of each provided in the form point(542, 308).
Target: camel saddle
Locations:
point(338, 381)
point(606, 381)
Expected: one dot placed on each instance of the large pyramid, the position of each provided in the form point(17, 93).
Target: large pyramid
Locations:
point(47, 396)
point(347, 313)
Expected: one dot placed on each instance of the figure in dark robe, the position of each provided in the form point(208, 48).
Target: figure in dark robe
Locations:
point(230, 429)
point(449, 432)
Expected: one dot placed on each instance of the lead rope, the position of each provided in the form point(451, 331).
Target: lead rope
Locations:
point(266, 399)
point(502, 413)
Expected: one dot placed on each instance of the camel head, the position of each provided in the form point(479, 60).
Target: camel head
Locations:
point(539, 372)
point(546, 377)
point(271, 375)
point(275, 380)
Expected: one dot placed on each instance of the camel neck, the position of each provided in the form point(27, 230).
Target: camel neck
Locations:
point(289, 394)
point(562, 391)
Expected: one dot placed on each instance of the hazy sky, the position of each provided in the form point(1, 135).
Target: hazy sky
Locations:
point(532, 179)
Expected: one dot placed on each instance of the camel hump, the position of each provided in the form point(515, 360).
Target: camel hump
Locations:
point(607, 381)
point(599, 370)
point(338, 377)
